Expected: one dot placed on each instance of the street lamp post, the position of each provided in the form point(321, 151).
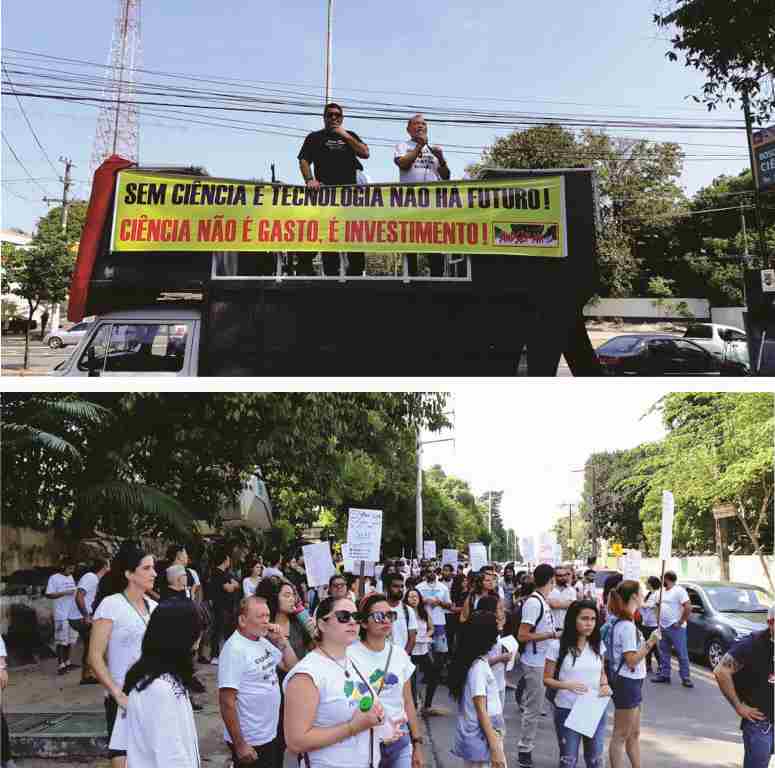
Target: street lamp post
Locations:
point(329, 50)
point(418, 493)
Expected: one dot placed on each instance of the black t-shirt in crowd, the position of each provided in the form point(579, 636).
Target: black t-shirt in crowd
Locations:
point(333, 159)
point(755, 682)
point(220, 598)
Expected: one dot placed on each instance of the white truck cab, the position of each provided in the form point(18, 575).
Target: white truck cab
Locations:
point(723, 341)
point(157, 341)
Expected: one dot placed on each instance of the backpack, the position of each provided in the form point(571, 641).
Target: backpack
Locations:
point(607, 636)
point(551, 693)
point(518, 619)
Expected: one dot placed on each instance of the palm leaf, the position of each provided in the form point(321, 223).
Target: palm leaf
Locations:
point(79, 410)
point(143, 500)
point(21, 436)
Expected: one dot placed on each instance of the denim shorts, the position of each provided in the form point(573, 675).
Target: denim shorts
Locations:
point(440, 639)
point(628, 693)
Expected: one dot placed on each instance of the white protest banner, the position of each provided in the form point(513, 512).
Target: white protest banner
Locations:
point(354, 566)
point(477, 554)
point(631, 565)
point(318, 563)
point(429, 550)
point(364, 534)
point(449, 557)
point(528, 549)
point(557, 554)
point(668, 513)
point(546, 554)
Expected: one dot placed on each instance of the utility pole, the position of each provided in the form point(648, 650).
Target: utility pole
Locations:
point(489, 525)
point(329, 52)
point(67, 182)
point(418, 498)
point(756, 196)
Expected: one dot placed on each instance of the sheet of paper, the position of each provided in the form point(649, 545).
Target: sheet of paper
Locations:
point(477, 554)
point(429, 550)
point(631, 565)
point(586, 713)
point(364, 534)
point(449, 557)
point(512, 646)
point(318, 563)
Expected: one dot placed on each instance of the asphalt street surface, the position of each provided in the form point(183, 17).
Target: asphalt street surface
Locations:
point(691, 728)
point(42, 359)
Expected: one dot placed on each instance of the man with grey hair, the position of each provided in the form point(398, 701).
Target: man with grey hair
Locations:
point(420, 162)
point(177, 578)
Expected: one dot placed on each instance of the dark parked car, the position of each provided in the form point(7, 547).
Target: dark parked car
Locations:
point(654, 354)
point(19, 325)
point(722, 612)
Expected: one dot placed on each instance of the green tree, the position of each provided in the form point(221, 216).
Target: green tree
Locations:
point(732, 44)
point(38, 274)
point(51, 223)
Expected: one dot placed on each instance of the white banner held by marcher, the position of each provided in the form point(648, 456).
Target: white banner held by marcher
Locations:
point(546, 554)
point(528, 549)
point(668, 514)
point(429, 550)
point(318, 563)
point(449, 557)
point(631, 565)
point(477, 554)
point(364, 534)
point(557, 554)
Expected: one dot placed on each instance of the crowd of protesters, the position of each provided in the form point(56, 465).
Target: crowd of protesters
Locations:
point(341, 674)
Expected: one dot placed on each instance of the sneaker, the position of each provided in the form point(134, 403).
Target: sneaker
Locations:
point(525, 760)
point(687, 683)
point(435, 712)
point(62, 670)
point(214, 661)
point(660, 680)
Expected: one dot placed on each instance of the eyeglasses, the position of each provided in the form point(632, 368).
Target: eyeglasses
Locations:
point(382, 617)
point(345, 617)
point(333, 114)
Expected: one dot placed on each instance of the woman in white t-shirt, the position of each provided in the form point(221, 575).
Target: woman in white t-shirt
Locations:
point(480, 724)
point(421, 655)
point(329, 709)
point(159, 719)
point(498, 656)
point(250, 583)
point(626, 671)
point(120, 619)
point(648, 612)
point(580, 655)
point(389, 670)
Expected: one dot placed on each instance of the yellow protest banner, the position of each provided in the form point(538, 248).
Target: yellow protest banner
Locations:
point(169, 212)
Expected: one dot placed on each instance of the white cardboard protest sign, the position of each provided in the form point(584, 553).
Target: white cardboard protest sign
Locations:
point(477, 554)
point(354, 566)
point(631, 565)
point(364, 534)
point(318, 563)
point(557, 554)
point(668, 514)
point(546, 553)
point(429, 550)
point(449, 557)
point(528, 549)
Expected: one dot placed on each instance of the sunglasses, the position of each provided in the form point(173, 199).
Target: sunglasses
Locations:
point(382, 617)
point(333, 114)
point(345, 617)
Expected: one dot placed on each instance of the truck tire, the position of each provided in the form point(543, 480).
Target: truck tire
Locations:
point(55, 342)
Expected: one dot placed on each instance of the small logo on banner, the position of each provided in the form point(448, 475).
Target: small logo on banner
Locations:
point(534, 235)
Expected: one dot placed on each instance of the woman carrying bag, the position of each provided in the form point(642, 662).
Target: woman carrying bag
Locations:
point(330, 711)
point(574, 666)
point(389, 670)
point(480, 724)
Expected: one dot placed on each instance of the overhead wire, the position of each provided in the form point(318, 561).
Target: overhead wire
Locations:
point(21, 164)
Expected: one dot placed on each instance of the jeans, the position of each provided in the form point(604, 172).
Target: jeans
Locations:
point(398, 754)
point(673, 637)
point(758, 743)
point(533, 702)
point(569, 742)
point(430, 677)
point(265, 756)
point(5, 740)
point(654, 652)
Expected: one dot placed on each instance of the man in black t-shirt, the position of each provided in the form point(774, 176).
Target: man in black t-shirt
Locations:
point(746, 677)
point(333, 154)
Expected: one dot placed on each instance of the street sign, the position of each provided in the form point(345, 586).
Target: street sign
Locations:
point(720, 511)
point(617, 550)
point(763, 143)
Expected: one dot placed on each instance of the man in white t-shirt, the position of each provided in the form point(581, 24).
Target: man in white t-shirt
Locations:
point(275, 567)
point(405, 626)
point(562, 596)
point(436, 598)
point(61, 589)
point(248, 687)
point(81, 611)
point(535, 631)
point(675, 611)
point(419, 162)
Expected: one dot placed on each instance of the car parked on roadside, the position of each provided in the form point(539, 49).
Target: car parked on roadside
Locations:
point(723, 612)
point(659, 354)
point(62, 338)
point(723, 341)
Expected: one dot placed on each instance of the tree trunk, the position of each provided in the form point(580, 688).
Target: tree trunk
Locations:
point(755, 539)
point(27, 340)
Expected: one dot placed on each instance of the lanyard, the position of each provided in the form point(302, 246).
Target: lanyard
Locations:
point(144, 619)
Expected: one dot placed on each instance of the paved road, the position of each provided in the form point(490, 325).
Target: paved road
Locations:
point(679, 727)
point(42, 359)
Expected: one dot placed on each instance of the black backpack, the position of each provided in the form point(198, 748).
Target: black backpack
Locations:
point(518, 619)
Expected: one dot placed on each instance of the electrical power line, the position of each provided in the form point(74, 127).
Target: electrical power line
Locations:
point(21, 164)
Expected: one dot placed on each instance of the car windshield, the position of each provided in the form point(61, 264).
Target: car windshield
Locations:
point(730, 599)
point(699, 332)
point(620, 344)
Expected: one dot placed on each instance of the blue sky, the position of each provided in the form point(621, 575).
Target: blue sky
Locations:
point(603, 58)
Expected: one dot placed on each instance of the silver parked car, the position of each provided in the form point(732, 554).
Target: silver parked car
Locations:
point(62, 338)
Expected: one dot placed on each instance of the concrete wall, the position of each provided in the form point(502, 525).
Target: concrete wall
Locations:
point(22, 548)
point(728, 316)
point(647, 309)
point(743, 568)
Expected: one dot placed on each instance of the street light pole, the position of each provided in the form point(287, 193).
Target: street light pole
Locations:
point(489, 525)
point(418, 501)
point(329, 51)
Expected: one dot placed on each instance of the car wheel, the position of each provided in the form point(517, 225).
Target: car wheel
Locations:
point(55, 342)
point(714, 651)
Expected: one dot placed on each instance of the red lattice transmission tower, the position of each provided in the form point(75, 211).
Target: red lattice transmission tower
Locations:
point(117, 125)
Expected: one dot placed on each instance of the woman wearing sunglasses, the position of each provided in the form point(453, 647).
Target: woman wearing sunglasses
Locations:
point(330, 709)
point(389, 670)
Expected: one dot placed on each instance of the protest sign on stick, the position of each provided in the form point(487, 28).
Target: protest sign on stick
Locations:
point(318, 563)
point(631, 566)
point(449, 557)
point(665, 540)
point(477, 554)
point(429, 550)
point(364, 534)
point(528, 548)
